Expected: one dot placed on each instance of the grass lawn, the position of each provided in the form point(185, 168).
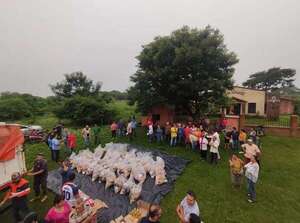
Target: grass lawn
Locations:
point(278, 189)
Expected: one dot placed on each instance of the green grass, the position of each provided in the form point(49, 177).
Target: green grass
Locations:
point(278, 189)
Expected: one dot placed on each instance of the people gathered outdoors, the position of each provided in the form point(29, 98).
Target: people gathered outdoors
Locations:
point(202, 138)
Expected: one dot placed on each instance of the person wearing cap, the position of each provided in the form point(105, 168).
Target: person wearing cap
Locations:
point(40, 174)
point(250, 150)
point(18, 192)
point(187, 207)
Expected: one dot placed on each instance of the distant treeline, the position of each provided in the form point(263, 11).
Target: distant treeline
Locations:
point(15, 106)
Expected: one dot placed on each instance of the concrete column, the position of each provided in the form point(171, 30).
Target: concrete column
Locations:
point(293, 125)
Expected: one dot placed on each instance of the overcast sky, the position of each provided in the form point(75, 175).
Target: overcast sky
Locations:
point(40, 40)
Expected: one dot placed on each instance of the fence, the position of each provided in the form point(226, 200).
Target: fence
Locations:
point(285, 126)
point(282, 121)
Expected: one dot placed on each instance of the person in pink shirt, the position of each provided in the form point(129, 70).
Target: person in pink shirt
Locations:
point(187, 132)
point(113, 129)
point(60, 211)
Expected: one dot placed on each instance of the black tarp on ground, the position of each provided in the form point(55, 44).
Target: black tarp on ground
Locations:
point(119, 204)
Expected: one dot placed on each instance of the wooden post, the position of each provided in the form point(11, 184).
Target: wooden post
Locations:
point(242, 121)
point(293, 125)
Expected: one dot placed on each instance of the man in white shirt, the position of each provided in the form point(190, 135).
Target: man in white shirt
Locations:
point(251, 173)
point(150, 133)
point(187, 207)
point(203, 142)
point(70, 190)
point(214, 147)
point(217, 137)
point(251, 150)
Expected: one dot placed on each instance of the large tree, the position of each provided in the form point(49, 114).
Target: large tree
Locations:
point(272, 79)
point(76, 84)
point(190, 69)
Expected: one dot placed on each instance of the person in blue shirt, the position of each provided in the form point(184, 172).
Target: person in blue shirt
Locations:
point(65, 171)
point(180, 133)
point(133, 126)
point(159, 134)
point(55, 147)
point(235, 139)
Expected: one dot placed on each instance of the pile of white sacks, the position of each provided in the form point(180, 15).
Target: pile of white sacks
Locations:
point(120, 167)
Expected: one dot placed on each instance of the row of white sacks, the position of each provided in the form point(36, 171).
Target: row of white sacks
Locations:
point(120, 167)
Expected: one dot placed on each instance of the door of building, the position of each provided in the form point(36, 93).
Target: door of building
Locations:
point(237, 109)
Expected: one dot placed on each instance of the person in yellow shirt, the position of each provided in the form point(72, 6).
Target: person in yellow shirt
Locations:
point(174, 132)
point(242, 137)
point(236, 171)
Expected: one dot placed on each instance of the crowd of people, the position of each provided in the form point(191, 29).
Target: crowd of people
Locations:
point(70, 206)
point(206, 140)
point(61, 137)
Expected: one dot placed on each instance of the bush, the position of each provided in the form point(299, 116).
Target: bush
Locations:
point(14, 108)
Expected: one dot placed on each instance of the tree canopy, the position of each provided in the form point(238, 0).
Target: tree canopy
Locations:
point(85, 110)
point(190, 69)
point(272, 79)
point(76, 84)
point(16, 105)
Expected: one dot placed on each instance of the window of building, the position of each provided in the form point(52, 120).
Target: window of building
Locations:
point(252, 108)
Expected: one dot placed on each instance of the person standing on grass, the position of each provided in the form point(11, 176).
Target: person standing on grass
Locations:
point(18, 192)
point(49, 140)
point(180, 133)
point(167, 132)
point(60, 211)
point(235, 139)
point(86, 134)
point(236, 171)
point(153, 216)
point(227, 138)
point(55, 143)
point(64, 135)
point(71, 142)
point(113, 128)
point(252, 135)
point(251, 173)
point(214, 149)
point(187, 132)
point(133, 126)
point(159, 134)
point(194, 137)
point(40, 174)
point(242, 137)
point(187, 207)
point(216, 136)
point(173, 132)
point(251, 150)
point(96, 134)
point(203, 142)
point(129, 131)
point(150, 132)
